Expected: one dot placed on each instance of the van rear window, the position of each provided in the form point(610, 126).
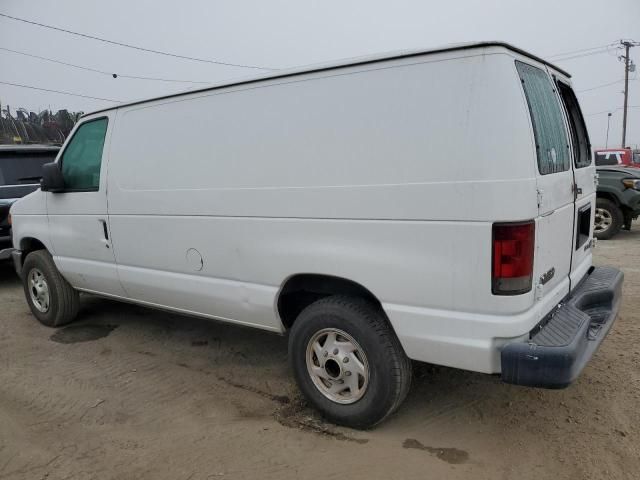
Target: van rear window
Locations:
point(546, 116)
point(579, 135)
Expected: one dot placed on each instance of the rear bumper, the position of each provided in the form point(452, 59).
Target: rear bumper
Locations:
point(557, 352)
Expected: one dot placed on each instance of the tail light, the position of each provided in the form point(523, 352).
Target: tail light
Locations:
point(513, 247)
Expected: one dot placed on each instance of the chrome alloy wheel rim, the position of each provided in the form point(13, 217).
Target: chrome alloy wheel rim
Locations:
point(603, 220)
point(39, 290)
point(337, 365)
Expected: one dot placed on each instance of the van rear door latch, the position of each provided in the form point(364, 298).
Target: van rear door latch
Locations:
point(577, 191)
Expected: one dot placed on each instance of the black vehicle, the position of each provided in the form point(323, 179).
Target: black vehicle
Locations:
point(618, 200)
point(20, 172)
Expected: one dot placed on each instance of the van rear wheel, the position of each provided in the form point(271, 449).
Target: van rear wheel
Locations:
point(608, 219)
point(348, 362)
point(50, 297)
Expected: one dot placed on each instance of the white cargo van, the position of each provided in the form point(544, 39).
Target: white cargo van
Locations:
point(432, 205)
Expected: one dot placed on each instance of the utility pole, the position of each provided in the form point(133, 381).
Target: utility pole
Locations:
point(628, 65)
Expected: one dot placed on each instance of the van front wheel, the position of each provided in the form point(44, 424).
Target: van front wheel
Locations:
point(50, 297)
point(348, 362)
point(608, 219)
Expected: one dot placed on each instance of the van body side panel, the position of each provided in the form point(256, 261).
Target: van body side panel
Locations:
point(400, 262)
point(386, 143)
point(385, 175)
point(433, 301)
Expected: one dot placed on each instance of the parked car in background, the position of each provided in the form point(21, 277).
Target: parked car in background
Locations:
point(20, 173)
point(315, 202)
point(616, 156)
point(618, 200)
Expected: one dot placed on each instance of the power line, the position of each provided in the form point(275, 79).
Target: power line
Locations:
point(606, 85)
point(103, 72)
point(580, 55)
point(135, 47)
point(599, 113)
point(59, 91)
point(609, 111)
point(578, 51)
point(600, 86)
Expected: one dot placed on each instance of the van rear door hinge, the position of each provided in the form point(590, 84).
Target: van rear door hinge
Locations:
point(540, 193)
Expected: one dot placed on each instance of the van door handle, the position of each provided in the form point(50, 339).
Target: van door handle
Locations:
point(105, 231)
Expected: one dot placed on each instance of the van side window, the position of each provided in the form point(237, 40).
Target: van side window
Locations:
point(548, 125)
point(82, 157)
point(579, 136)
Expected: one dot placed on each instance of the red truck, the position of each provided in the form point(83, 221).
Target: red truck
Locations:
point(617, 156)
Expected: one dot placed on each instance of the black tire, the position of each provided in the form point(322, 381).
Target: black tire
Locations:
point(615, 214)
point(389, 368)
point(63, 299)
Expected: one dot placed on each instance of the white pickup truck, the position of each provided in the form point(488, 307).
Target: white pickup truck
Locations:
point(434, 206)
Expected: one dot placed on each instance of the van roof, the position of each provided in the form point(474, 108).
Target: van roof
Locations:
point(348, 62)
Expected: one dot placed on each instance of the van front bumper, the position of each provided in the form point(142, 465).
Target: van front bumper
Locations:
point(563, 344)
point(5, 253)
point(16, 256)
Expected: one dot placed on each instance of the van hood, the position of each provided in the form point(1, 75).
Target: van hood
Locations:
point(630, 171)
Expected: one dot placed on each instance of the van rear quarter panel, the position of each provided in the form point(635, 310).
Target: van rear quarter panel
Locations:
point(389, 174)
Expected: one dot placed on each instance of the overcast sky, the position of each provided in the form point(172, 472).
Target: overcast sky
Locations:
point(280, 34)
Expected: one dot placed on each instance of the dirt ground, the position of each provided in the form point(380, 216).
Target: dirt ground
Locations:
point(131, 393)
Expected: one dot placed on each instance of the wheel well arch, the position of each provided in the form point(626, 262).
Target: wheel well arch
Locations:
point(608, 196)
point(301, 290)
point(30, 244)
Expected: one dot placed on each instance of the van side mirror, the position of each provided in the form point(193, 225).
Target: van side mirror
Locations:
point(52, 180)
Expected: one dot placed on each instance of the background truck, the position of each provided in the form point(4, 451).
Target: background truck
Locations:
point(618, 200)
point(20, 172)
point(616, 156)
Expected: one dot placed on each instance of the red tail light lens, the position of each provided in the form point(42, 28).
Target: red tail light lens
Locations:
point(513, 247)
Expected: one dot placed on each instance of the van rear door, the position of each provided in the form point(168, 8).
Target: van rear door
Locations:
point(554, 179)
point(584, 183)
